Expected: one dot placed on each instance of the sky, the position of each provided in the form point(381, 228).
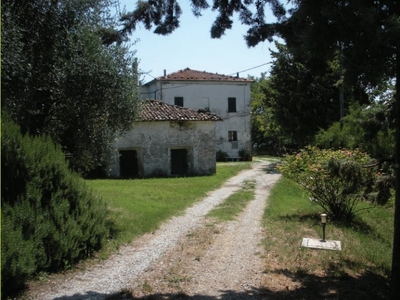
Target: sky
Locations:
point(191, 46)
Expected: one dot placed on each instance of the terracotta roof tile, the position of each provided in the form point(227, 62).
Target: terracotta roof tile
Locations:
point(188, 74)
point(153, 110)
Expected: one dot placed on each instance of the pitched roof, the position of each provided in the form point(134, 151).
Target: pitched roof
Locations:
point(190, 75)
point(153, 110)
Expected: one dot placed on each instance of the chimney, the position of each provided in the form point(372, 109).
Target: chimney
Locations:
point(165, 72)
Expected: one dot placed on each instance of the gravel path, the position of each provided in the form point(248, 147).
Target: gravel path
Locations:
point(229, 263)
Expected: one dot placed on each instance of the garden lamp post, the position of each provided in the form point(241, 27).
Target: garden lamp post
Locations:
point(323, 223)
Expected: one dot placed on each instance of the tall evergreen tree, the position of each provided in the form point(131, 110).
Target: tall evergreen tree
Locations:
point(304, 101)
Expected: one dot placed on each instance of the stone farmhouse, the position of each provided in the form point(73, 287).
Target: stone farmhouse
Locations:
point(225, 96)
point(167, 140)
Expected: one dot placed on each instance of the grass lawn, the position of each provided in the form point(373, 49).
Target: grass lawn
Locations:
point(360, 271)
point(234, 204)
point(139, 206)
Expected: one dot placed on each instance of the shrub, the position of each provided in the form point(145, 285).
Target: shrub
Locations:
point(337, 180)
point(366, 128)
point(221, 155)
point(49, 217)
point(244, 155)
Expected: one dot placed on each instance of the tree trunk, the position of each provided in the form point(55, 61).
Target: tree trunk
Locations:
point(395, 280)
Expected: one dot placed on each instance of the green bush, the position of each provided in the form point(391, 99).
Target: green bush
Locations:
point(244, 155)
point(337, 180)
point(221, 155)
point(50, 219)
point(365, 128)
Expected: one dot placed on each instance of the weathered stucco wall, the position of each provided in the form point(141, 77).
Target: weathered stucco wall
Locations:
point(153, 142)
point(214, 96)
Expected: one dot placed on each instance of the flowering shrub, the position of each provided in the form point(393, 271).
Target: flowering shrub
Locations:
point(337, 180)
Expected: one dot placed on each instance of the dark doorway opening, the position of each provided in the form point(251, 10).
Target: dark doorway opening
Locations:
point(128, 163)
point(179, 162)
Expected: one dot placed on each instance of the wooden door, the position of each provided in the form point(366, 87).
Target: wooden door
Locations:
point(179, 162)
point(128, 163)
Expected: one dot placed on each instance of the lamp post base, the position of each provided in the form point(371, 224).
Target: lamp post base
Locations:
point(323, 232)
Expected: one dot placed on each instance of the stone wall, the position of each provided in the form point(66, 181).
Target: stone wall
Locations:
point(153, 142)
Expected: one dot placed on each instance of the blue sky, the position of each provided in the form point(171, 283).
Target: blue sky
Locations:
point(190, 46)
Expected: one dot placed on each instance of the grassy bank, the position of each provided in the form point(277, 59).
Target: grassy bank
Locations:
point(234, 204)
point(360, 271)
point(139, 206)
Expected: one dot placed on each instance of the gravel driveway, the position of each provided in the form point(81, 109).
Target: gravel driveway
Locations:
point(185, 257)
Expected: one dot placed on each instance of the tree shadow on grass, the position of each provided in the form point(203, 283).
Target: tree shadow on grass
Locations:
point(356, 224)
point(301, 217)
point(302, 285)
point(271, 169)
point(367, 286)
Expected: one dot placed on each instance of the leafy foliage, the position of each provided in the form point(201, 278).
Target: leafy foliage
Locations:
point(49, 218)
point(365, 127)
point(58, 78)
point(294, 103)
point(337, 180)
point(165, 14)
point(365, 32)
point(266, 134)
point(303, 101)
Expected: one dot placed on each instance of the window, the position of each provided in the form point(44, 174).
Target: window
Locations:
point(179, 101)
point(232, 104)
point(232, 136)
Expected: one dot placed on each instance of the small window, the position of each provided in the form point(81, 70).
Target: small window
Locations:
point(232, 136)
point(232, 104)
point(179, 101)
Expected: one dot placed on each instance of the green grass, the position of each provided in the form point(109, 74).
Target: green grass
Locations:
point(139, 206)
point(366, 242)
point(234, 204)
